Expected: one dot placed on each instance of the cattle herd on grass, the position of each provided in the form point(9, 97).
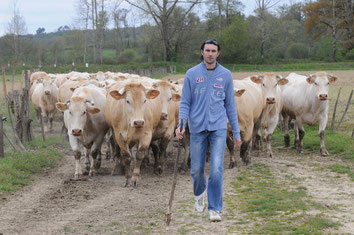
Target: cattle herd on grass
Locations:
point(132, 113)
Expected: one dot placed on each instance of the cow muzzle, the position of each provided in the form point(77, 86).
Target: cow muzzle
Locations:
point(76, 132)
point(270, 100)
point(139, 123)
point(323, 96)
point(164, 116)
point(47, 92)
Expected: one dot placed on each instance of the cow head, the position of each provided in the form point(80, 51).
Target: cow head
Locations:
point(48, 84)
point(77, 110)
point(168, 94)
point(320, 82)
point(269, 83)
point(134, 96)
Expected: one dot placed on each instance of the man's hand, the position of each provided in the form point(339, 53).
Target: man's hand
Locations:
point(179, 134)
point(237, 143)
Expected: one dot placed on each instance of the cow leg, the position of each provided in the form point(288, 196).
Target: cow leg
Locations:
point(269, 145)
point(136, 172)
point(51, 118)
point(272, 124)
point(296, 138)
point(185, 144)
point(87, 159)
point(323, 149)
point(93, 167)
point(322, 127)
point(78, 169)
point(126, 160)
point(286, 131)
point(155, 152)
point(258, 145)
point(162, 154)
point(45, 121)
point(230, 146)
point(301, 130)
point(245, 152)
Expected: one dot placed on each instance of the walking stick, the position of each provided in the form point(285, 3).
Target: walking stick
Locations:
point(169, 211)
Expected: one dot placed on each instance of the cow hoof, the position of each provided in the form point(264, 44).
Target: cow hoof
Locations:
point(232, 165)
point(98, 164)
point(158, 171)
point(78, 177)
point(133, 183)
point(93, 173)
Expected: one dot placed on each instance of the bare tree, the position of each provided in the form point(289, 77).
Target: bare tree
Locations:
point(16, 27)
point(262, 7)
point(161, 12)
point(119, 16)
point(83, 9)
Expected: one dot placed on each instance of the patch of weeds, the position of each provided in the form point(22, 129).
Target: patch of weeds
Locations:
point(115, 223)
point(68, 229)
point(273, 206)
point(342, 169)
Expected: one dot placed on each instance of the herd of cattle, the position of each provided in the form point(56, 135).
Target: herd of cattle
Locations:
point(131, 110)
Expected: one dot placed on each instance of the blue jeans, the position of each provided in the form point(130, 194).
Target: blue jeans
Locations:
point(198, 146)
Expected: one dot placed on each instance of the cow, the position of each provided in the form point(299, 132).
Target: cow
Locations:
point(305, 99)
point(86, 125)
point(127, 111)
point(164, 131)
point(269, 85)
point(44, 97)
point(250, 106)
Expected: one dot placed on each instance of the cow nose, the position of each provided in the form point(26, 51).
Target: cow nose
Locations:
point(76, 132)
point(47, 92)
point(164, 116)
point(323, 96)
point(270, 100)
point(139, 123)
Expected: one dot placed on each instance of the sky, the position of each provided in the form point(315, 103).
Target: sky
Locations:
point(51, 14)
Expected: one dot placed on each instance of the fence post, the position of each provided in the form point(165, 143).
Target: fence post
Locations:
point(2, 153)
point(346, 110)
point(4, 84)
point(335, 109)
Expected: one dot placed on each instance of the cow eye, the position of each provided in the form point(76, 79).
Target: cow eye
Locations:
point(128, 102)
point(263, 84)
point(70, 113)
point(316, 83)
point(327, 83)
point(84, 113)
point(144, 101)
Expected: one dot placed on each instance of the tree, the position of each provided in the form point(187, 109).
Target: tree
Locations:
point(262, 8)
point(16, 27)
point(161, 12)
point(119, 17)
point(40, 30)
point(335, 17)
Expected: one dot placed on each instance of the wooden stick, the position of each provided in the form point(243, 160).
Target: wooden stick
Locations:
point(346, 109)
point(2, 153)
point(4, 84)
point(335, 109)
point(22, 148)
point(169, 211)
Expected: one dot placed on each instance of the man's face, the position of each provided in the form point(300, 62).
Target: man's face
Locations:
point(210, 53)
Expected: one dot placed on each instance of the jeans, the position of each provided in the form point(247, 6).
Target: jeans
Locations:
point(198, 146)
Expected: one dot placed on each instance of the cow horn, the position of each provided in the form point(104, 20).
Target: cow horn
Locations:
point(175, 89)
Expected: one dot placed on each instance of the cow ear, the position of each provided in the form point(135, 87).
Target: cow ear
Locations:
point(116, 95)
point(256, 79)
point(93, 110)
point(332, 79)
point(239, 92)
point(176, 97)
point(283, 81)
point(72, 89)
point(310, 79)
point(61, 106)
point(152, 94)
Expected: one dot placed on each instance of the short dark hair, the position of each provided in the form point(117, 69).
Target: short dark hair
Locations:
point(210, 41)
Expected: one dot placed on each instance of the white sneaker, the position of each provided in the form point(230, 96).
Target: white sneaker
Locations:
point(214, 216)
point(199, 203)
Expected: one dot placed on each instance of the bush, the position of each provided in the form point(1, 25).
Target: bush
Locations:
point(127, 56)
point(297, 51)
point(350, 55)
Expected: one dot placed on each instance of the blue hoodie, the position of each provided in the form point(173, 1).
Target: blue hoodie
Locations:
point(206, 101)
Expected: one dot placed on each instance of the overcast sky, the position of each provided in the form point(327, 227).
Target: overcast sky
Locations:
point(51, 14)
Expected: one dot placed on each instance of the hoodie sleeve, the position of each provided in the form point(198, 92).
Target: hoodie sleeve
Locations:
point(185, 103)
point(230, 105)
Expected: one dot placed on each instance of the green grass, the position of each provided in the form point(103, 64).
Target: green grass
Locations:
point(271, 207)
point(341, 169)
point(336, 143)
point(109, 53)
point(16, 168)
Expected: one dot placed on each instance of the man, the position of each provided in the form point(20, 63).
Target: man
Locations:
point(207, 102)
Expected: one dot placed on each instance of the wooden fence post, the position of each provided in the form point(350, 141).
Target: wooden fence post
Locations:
point(2, 153)
point(4, 85)
point(335, 109)
point(346, 110)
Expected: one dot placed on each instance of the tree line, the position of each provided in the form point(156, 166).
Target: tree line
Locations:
point(319, 30)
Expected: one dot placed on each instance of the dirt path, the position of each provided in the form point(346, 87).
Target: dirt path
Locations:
point(54, 204)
